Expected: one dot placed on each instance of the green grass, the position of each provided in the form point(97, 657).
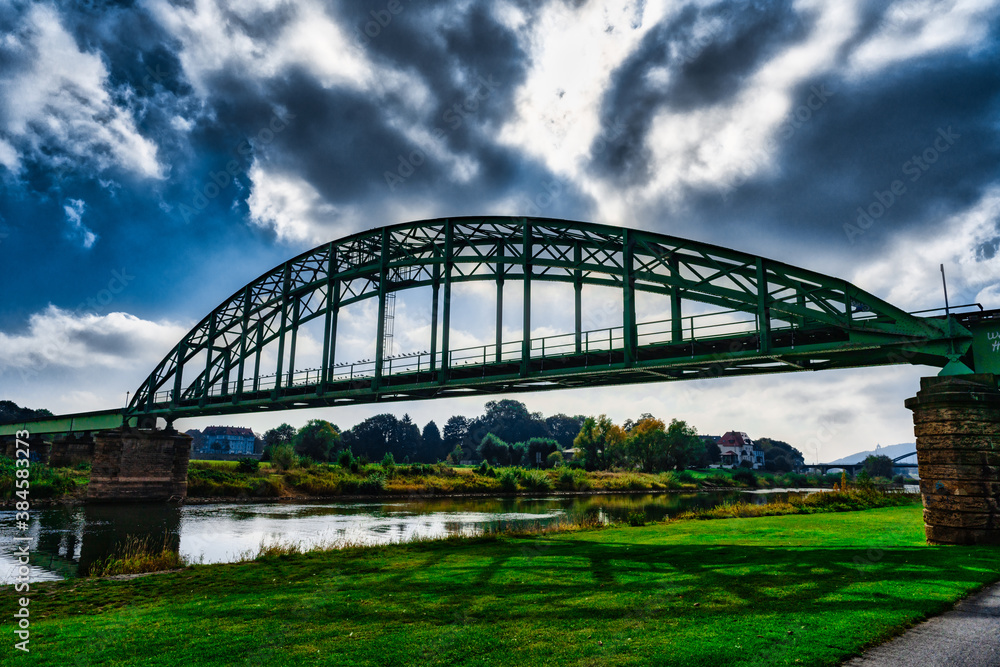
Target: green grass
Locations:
point(850, 500)
point(46, 481)
point(805, 589)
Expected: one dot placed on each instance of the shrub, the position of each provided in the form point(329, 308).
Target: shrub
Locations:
point(745, 476)
point(508, 479)
point(794, 480)
point(637, 518)
point(629, 482)
point(388, 462)
point(46, 482)
point(573, 479)
point(283, 456)
point(669, 480)
point(717, 480)
point(374, 483)
point(554, 459)
point(685, 476)
point(267, 488)
point(345, 458)
point(247, 465)
point(536, 480)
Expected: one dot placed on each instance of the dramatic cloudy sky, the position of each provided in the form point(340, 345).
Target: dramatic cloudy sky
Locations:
point(155, 156)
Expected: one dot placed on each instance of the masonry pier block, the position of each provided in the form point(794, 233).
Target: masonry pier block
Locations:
point(139, 466)
point(71, 450)
point(956, 420)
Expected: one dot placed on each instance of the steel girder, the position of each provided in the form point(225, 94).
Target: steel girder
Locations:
point(799, 319)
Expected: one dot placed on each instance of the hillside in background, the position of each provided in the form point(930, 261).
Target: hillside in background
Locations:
point(11, 412)
point(892, 451)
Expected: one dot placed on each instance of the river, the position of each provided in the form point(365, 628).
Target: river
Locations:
point(65, 540)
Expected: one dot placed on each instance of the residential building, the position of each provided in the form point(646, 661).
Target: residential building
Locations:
point(228, 439)
point(737, 448)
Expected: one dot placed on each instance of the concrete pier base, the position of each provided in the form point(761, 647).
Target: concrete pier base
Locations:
point(956, 420)
point(71, 450)
point(139, 466)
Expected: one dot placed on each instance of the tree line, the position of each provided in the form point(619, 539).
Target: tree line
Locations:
point(509, 434)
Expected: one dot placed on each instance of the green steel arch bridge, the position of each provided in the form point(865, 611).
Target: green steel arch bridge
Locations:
point(730, 314)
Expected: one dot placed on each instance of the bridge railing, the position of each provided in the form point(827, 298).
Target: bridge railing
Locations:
point(699, 327)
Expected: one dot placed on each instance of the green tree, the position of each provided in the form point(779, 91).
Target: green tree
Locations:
point(318, 439)
point(283, 456)
point(510, 421)
point(432, 446)
point(374, 436)
point(596, 437)
point(646, 444)
point(455, 431)
point(778, 449)
point(405, 443)
point(538, 449)
point(494, 451)
point(878, 466)
point(683, 444)
point(283, 434)
point(563, 429)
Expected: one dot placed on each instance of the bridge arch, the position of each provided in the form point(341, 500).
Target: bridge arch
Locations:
point(731, 313)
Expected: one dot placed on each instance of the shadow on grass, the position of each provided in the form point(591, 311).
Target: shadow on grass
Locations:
point(719, 603)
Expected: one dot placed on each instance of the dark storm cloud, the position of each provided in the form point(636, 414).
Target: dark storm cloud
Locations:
point(930, 127)
point(706, 67)
point(470, 64)
point(348, 144)
point(113, 343)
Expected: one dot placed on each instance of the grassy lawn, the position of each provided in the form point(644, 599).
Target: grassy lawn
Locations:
point(803, 589)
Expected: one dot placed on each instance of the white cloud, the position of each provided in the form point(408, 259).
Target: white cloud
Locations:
point(58, 110)
point(74, 209)
point(211, 41)
point(711, 146)
point(57, 338)
point(915, 28)
point(908, 273)
point(299, 215)
point(558, 104)
point(289, 205)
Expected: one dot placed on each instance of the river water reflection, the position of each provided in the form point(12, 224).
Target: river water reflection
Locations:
point(64, 541)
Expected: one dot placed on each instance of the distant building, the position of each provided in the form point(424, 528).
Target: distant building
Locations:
point(737, 448)
point(228, 440)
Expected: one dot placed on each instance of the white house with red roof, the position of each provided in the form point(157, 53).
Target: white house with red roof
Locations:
point(737, 448)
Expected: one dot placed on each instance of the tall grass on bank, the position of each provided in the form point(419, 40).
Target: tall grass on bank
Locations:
point(46, 481)
point(136, 556)
point(831, 501)
point(492, 530)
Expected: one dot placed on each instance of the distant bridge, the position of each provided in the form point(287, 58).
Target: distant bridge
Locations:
point(730, 314)
point(855, 467)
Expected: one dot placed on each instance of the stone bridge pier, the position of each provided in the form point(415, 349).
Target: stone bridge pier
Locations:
point(139, 465)
point(956, 420)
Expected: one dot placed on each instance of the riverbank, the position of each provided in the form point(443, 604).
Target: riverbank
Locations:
point(229, 481)
point(222, 479)
point(804, 589)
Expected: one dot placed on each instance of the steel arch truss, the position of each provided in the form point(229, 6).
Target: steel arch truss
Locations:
point(731, 314)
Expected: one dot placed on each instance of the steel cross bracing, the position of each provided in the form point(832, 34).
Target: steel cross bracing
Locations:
point(731, 314)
